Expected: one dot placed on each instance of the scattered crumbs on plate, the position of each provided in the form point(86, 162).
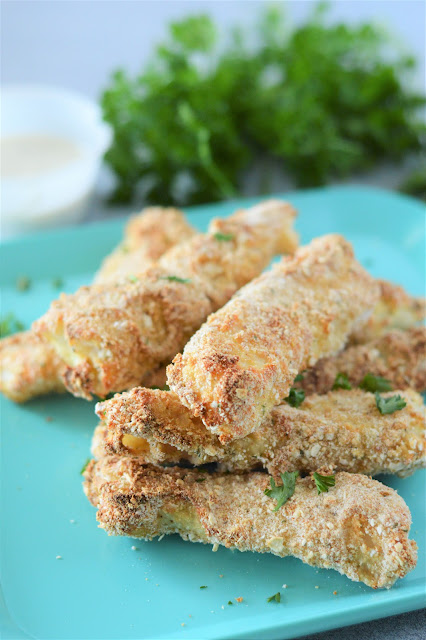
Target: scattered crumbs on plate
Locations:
point(58, 557)
point(147, 579)
point(49, 419)
point(215, 547)
point(182, 624)
point(334, 593)
point(285, 586)
point(134, 548)
point(239, 599)
point(72, 521)
point(189, 615)
point(221, 575)
point(316, 586)
point(211, 611)
point(157, 585)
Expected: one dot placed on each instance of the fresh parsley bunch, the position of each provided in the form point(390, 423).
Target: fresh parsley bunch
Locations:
point(321, 101)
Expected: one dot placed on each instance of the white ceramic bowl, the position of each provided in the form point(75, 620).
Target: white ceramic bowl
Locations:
point(57, 196)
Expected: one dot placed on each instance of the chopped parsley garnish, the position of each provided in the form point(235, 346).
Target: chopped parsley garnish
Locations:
point(389, 405)
point(341, 382)
point(84, 467)
point(10, 324)
point(200, 480)
point(176, 279)
point(299, 376)
point(282, 492)
point(133, 279)
point(57, 283)
point(23, 283)
point(375, 383)
point(324, 482)
point(275, 598)
point(224, 237)
point(165, 388)
point(204, 586)
point(230, 602)
point(295, 397)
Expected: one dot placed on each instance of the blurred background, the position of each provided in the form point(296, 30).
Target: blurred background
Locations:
point(213, 99)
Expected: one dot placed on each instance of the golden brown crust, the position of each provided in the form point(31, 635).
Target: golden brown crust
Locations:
point(341, 431)
point(359, 528)
point(110, 336)
point(243, 360)
point(28, 368)
point(146, 237)
point(395, 309)
point(398, 356)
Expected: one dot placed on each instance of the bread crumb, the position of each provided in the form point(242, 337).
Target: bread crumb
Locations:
point(58, 557)
point(334, 593)
point(239, 599)
point(183, 624)
point(316, 586)
point(284, 586)
point(134, 548)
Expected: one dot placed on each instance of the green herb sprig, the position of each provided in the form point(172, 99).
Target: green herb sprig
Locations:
point(295, 397)
point(342, 382)
point(323, 483)
point(175, 279)
point(282, 492)
point(374, 383)
point(389, 405)
point(275, 598)
point(10, 324)
point(310, 99)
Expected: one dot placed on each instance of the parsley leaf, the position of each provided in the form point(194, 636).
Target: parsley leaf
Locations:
point(299, 377)
point(175, 279)
point(84, 467)
point(389, 405)
point(230, 602)
point(295, 397)
point(275, 598)
point(224, 237)
point(375, 383)
point(324, 482)
point(221, 88)
point(10, 324)
point(23, 283)
point(204, 586)
point(282, 492)
point(57, 283)
point(165, 388)
point(341, 382)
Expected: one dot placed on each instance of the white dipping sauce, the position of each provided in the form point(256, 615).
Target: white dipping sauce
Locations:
point(32, 155)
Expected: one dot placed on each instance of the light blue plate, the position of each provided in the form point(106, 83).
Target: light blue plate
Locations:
point(101, 588)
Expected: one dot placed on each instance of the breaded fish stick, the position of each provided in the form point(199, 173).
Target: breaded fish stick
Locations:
point(29, 366)
point(111, 336)
point(395, 309)
point(146, 237)
point(399, 356)
point(243, 360)
point(342, 430)
point(359, 528)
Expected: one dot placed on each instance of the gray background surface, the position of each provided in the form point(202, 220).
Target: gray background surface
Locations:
point(77, 44)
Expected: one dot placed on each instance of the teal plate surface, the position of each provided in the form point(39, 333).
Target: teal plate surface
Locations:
point(120, 588)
